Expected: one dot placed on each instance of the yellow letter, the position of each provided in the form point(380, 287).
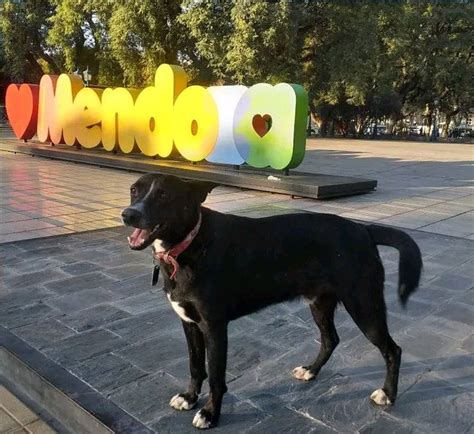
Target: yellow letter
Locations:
point(195, 123)
point(118, 119)
point(154, 111)
point(88, 110)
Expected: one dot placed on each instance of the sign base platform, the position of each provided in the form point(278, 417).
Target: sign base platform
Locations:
point(294, 183)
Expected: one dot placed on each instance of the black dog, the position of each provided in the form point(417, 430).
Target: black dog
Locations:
point(230, 266)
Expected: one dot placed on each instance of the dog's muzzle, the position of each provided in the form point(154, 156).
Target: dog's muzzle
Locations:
point(131, 216)
point(143, 234)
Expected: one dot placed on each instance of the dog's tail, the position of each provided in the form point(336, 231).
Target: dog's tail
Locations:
point(410, 262)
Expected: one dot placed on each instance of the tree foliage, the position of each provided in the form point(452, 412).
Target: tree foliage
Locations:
point(24, 26)
point(80, 36)
point(359, 60)
point(144, 34)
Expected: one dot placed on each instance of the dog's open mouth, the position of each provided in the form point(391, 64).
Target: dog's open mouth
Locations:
point(141, 238)
point(138, 238)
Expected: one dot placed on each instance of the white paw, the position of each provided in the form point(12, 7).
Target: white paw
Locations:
point(181, 403)
point(380, 397)
point(200, 421)
point(302, 373)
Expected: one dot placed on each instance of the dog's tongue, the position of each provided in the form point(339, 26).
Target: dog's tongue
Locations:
point(138, 237)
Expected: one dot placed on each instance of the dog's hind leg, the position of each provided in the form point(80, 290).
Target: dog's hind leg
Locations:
point(197, 367)
point(370, 317)
point(322, 309)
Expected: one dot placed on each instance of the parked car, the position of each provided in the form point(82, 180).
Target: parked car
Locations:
point(458, 132)
point(381, 129)
point(416, 130)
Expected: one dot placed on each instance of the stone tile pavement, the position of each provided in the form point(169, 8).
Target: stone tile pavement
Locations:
point(40, 197)
point(428, 188)
point(84, 299)
point(17, 418)
point(425, 186)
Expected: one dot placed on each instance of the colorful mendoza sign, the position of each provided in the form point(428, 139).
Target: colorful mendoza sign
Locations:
point(263, 125)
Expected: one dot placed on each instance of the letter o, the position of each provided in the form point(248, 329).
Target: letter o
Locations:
point(195, 123)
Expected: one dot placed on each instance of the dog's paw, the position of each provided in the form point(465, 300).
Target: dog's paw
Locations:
point(379, 397)
point(302, 373)
point(182, 402)
point(202, 419)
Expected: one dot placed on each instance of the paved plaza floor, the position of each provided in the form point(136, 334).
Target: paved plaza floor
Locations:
point(421, 186)
point(17, 418)
point(84, 299)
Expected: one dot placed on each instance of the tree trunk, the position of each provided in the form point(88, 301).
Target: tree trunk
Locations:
point(324, 127)
point(429, 121)
point(391, 124)
point(52, 64)
point(445, 130)
point(35, 72)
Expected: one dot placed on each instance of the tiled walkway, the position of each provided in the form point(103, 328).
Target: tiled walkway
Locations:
point(84, 300)
point(424, 186)
point(40, 197)
point(429, 189)
point(17, 418)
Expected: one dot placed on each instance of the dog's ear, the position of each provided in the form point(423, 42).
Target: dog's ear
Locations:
point(200, 189)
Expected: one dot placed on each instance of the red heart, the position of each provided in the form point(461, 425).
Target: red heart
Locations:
point(22, 109)
point(262, 124)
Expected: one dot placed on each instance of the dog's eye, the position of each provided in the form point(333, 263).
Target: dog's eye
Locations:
point(133, 191)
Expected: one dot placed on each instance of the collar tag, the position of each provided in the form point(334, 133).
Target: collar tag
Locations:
point(155, 274)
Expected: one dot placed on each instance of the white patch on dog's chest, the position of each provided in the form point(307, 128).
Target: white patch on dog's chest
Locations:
point(158, 246)
point(179, 310)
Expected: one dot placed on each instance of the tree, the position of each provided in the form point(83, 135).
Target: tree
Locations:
point(4, 76)
point(345, 69)
point(265, 42)
point(430, 46)
point(80, 33)
point(144, 34)
point(360, 61)
point(246, 42)
point(122, 42)
point(24, 26)
point(208, 29)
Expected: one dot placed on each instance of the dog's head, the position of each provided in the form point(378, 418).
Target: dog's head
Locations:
point(163, 207)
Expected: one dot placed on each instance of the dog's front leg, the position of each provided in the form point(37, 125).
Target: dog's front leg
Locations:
point(215, 337)
point(197, 367)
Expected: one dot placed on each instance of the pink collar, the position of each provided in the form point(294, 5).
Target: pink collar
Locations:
point(170, 256)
